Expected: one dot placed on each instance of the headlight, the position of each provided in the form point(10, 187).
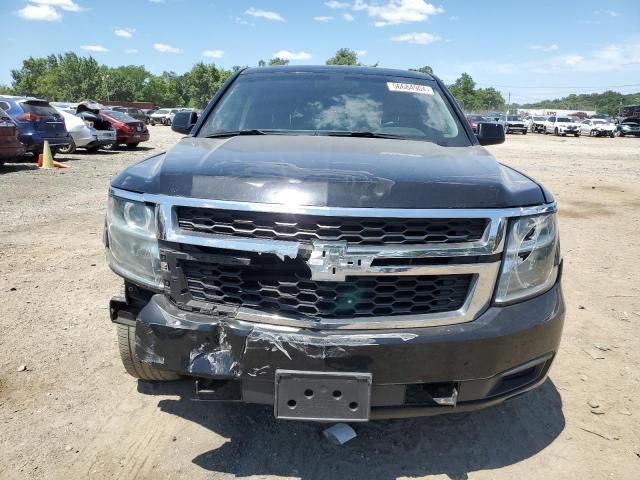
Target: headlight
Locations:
point(531, 259)
point(132, 247)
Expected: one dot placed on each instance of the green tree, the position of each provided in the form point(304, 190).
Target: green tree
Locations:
point(30, 78)
point(425, 69)
point(463, 90)
point(262, 63)
point(344, 56)
point(278, 61)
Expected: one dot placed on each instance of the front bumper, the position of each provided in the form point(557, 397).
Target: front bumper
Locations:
point(503, 353)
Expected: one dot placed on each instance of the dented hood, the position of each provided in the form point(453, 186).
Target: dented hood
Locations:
point(332, 172)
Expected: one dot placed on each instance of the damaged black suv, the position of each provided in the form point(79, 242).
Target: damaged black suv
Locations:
point(336, 242)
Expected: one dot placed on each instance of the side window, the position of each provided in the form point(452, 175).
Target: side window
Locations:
point(4, 106)
point(552, 119)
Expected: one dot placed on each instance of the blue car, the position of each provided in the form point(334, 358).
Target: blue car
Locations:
point(37, 121)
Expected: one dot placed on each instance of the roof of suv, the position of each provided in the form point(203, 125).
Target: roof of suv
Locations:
point(332, 68)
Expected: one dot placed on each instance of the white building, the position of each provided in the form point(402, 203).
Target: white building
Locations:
point(545, 112)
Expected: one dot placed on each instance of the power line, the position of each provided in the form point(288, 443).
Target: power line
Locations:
point(558, 88)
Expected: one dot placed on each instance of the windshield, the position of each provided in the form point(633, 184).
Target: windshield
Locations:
point(163, 110)
point(539, 118)
point(513, 118)
point(599, 122)
point(336, 104)
point(564, 120)
point(123, 117)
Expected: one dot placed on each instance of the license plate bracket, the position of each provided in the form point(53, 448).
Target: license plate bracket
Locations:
point(322, 396)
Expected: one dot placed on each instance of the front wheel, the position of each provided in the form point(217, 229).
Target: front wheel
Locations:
point(556, 132)
point(524, 132)
point(577, 134)
point(132, 364)
point(168, 122)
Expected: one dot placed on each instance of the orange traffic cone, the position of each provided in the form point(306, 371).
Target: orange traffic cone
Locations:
point(60, 165)
point(40, 161)
point(47, 158)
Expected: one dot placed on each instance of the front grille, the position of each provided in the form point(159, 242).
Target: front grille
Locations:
point(355, 230)
point(285, 288)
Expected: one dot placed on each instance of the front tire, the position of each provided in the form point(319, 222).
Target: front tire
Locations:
point(132, 364)
point(524, 132)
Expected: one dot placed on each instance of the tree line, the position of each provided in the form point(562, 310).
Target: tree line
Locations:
point(70, 77)
point(608, 102)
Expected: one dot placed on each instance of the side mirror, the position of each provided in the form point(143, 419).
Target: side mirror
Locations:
point(183, 122)
point(490, 133)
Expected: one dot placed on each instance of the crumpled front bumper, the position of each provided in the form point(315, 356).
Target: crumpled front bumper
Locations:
point(504, 352)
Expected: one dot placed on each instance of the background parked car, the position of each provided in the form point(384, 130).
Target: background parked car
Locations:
point(474, 120)
point(68, 107)
point(164, 116)
point(90, 113)
point(535, 123)
point(147, 115)
point(37, 121)
point(129, 131)
point(561, 126)
point(10, 145)
point(136, 113)
point(628, 126)
point(512, 123)
point(597, 127)
point(85, 135)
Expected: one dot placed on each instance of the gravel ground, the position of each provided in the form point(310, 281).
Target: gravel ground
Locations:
point(74, 413)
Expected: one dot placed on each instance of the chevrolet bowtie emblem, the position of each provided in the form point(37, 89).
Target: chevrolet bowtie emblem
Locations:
point(331, 261)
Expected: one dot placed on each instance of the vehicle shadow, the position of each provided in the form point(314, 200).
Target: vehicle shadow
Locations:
point(17, 167)
point(454, 445)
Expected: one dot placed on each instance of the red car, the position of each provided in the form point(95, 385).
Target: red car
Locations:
point(474, 120)
point(10, 145)
point(129, 131)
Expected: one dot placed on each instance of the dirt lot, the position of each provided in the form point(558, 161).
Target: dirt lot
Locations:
point(74, 413)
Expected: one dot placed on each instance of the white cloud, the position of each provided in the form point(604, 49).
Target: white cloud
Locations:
point(94, 48)
point(323, 19)
point(275, 16)
point(337, 5)
point(395, 12)
point(42, 13)
point(421, 38)
point(131, 50)
point(67, 5)
point(545, 48)
point(164, 48)
point(453, 18)
point(606, 13)
point(287, 55)
point(213, 53)
point(156, 1)
point(124, 32)
point(571, 59)
point(361, 53)
point(348, 17)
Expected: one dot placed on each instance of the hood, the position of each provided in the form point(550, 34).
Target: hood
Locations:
point(332, 172)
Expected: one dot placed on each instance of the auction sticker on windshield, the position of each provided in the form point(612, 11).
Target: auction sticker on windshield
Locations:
point(409, 88)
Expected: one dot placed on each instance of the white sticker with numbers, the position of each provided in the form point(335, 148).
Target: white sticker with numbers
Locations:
point(409, 88)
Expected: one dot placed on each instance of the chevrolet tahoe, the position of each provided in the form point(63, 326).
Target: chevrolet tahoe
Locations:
point(337, 243)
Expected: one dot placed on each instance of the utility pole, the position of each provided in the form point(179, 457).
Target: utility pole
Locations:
point(508, 103)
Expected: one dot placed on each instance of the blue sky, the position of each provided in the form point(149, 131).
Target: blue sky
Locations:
point(534, 50)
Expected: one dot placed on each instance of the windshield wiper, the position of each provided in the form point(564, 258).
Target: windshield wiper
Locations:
point(364, 134)
point(235, 133)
